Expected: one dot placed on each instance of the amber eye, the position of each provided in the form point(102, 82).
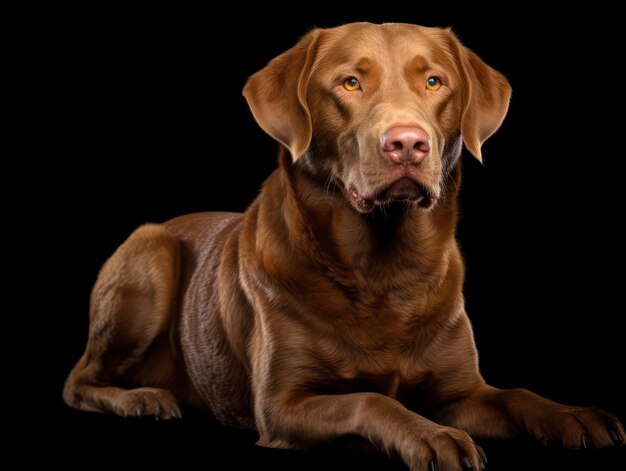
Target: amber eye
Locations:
point(351, 84)
point(433, 83)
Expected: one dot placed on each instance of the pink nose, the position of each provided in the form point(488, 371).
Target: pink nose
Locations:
point(405, 144)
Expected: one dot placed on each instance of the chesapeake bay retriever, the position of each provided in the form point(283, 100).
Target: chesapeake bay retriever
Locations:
point(333, 306)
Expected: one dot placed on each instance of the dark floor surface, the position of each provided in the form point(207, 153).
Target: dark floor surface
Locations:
point(196, 442)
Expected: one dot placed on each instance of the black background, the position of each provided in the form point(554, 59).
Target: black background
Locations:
point(143, 120)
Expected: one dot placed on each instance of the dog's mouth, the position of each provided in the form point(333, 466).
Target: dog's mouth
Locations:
point(405, 189)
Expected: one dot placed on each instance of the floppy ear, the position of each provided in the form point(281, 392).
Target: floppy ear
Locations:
point(277, 96)
point(487, 100)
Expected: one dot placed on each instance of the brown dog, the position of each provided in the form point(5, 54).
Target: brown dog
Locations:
point(333, 306)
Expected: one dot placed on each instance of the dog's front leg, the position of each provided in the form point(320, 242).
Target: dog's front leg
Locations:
point(491, 412)
point(308, 420)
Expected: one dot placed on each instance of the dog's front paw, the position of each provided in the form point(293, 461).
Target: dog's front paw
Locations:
point(443, 449)
point(578, 427)
point(141, 402)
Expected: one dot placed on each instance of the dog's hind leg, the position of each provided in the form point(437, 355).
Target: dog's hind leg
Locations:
point(129, 365)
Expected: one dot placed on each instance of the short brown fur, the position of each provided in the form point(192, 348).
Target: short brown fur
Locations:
point(333, 306)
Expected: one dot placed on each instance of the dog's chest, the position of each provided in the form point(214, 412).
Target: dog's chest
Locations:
point(394, 383)
point(387, 369)
point(376, 347)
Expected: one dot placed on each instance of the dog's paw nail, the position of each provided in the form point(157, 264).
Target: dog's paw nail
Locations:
point(482, 454)
point(467, 464)
point(432, 466)
point(157, 412)
point(617, 438)
point(583, 440)
point(543, 441)
point(176, 413)
point(139, 411)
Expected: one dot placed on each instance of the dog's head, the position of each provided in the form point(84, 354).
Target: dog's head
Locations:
point(381, 109)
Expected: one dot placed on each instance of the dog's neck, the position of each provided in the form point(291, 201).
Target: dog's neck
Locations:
point(362, 242)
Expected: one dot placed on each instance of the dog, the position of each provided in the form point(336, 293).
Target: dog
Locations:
point(333, 306)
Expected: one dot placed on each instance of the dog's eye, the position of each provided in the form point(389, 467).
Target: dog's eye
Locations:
point(351, 84)
point(433, 83)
